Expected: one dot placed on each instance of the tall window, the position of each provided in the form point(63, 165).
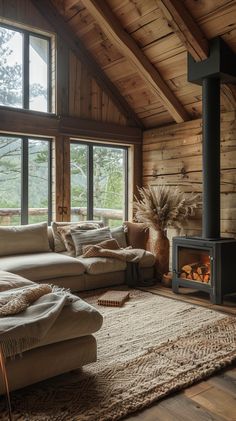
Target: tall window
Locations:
point(25, 180)
point(98, 182)
point(25, 80)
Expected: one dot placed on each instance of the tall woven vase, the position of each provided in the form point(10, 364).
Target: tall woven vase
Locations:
point(161, 249)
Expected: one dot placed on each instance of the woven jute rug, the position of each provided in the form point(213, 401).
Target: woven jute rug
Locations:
point(147, 349)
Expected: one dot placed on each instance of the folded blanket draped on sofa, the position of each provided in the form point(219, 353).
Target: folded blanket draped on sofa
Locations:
point(24, 330)
point(111, 249)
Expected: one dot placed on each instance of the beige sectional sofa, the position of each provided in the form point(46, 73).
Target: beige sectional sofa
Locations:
point(27, 254)
point(68, 345)
point(31, 254)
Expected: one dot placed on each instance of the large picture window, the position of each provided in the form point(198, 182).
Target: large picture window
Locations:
point(25, 73)
point(99, 182)
point(25, 180)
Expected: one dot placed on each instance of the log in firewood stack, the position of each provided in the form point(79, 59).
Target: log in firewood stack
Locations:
point(196, 272)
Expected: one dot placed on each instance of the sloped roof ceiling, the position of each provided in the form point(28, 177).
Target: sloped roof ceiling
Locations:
point(162, 43)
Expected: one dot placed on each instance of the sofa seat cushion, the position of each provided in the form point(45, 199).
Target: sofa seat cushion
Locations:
point(42, 266)
point(97, 265)
point(147, 260)
point(75, 320)
point(11, 281)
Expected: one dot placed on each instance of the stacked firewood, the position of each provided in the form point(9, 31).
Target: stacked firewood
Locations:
point(196, 272)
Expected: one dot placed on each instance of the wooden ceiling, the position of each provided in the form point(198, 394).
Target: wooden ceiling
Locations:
point(141, 47)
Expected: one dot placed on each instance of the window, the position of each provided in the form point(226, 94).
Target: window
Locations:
point(98, 182)
point(25, 80)
point(25, 180)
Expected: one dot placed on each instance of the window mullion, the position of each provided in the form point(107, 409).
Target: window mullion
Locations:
point(24, 180)
point(26, 70)
point(125, 155)
point(49, 182)
point(90, 183)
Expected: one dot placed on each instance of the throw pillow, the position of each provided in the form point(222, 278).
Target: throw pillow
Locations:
point(82, 238)
point(136, 234)
point(58, 242)
point(119, 235)
point(22, 239)
point(107, 244)
point(65, 233)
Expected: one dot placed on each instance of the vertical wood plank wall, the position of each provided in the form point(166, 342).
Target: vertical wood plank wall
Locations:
point(172, 155)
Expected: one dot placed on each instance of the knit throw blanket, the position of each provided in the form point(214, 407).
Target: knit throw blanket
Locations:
point(26, 315)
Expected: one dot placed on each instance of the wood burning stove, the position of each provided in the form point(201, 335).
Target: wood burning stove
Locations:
point(207, 263)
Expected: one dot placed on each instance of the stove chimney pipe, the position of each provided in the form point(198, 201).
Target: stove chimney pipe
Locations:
point(211, 157)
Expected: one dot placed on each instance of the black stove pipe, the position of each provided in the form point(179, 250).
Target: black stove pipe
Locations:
point(211, 158)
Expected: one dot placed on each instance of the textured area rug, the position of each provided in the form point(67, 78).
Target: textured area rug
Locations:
point(147, 349)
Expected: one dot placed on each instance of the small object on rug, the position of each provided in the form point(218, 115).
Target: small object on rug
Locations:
point(113, 298)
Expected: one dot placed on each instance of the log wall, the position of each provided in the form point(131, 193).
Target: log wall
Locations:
point(172, 155)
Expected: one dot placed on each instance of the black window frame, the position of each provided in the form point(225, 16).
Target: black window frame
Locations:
point(90, 191)
point(26, 65)
point(25, 174)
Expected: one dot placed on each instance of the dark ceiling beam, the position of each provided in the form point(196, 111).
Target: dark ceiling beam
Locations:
point(46, 8)
point(111, 26)
point(191, 35)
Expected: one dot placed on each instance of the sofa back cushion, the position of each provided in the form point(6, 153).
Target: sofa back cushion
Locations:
point(23, 239)
point(137, 234)
point(59, 244)
point(82, 238)
point(118, 234)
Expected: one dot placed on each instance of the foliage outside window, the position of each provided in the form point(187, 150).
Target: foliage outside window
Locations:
point(25, 180)
point(98, 183)
point(24, 69)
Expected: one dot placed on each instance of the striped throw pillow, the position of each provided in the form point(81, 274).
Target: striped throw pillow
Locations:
point(82, 238)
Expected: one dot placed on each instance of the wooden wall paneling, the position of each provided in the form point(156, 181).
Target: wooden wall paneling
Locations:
point(24, 12)
point(172, 155)
point(85, 93)
point(96, 101)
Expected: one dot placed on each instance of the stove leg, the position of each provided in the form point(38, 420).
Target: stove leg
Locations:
point(175, 287)
point(216, 299)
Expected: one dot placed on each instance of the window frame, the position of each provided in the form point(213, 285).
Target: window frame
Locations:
point(90, 145)
point(24, 215)
point(26, 66)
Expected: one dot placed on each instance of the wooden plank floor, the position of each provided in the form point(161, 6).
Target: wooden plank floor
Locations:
point(195, 297)
point(213, 399)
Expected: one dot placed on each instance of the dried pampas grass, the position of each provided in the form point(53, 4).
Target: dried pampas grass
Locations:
point(162, 207)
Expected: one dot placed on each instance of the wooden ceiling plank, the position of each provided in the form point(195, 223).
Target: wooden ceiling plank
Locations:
point(185, 27)
point(125, 43)
point(47, 9)
point(193, 38)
